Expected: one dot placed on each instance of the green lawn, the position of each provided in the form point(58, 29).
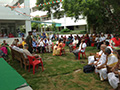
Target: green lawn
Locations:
point(62, 73)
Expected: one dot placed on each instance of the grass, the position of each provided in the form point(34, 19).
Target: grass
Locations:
point(62, 73)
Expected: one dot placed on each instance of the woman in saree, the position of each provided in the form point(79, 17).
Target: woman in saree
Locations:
point(4, 47)
point(57, 48)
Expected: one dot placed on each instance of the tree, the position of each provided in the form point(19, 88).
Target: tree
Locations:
point(102, 15)
point(97, 12)
point(35, 25)
point(55, 7)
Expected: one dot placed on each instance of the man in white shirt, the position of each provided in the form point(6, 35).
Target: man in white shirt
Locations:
point(93, 58)
point(74, 43)
point(81, 48)
point(41, 46)
point(102, 39)
point(111, 60)
point(49, 45)
point(102, 58)
point(108, 46)
point(45, 41)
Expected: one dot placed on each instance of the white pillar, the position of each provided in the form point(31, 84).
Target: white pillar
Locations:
point(27, 11)
point(51, 14)
point(27, 6)
point(64, 20)
point(41, 24)
point(28, 26)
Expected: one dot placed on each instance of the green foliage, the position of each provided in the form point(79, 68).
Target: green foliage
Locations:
point(65, 30)
point(22, 28)
point(83, 31)
point(101, 15)
point(97, 12)
point(56, 7)
point(35, 25)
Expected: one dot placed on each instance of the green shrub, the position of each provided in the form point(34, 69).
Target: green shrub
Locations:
point(65, 30)
point(83, 31)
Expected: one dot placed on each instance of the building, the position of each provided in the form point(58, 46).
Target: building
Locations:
point(12, 19)
point(65, 21)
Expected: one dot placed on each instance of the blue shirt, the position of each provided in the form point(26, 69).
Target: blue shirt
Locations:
point(34, 44)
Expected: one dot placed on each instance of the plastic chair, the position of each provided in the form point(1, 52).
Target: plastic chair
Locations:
point(92, 44)
point(52, 46)
point(83, 53)
point(62, 49)
point(34, 62)
point(74, 47)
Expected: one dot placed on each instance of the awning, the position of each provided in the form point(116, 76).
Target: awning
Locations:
point(10, 2)
point(56, 24)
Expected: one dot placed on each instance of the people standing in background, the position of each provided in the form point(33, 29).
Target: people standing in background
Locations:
point(87, 39)
point(34, 34)
point(29, 41)
point(49, 45)
point(57, 36)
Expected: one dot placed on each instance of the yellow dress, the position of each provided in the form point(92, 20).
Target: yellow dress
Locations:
point(23, 43)
point(56, 49)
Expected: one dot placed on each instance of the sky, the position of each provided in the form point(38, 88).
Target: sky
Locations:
point(32, 3)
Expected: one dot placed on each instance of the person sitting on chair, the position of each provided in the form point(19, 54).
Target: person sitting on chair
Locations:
point(27, 53)
point(4, 46)
point(57, 48)
point(81, 48)
point(111, 61)
point(74, 43)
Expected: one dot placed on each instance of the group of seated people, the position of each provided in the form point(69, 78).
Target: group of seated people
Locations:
point(24, 51)
point(107, 64)
point(4, 49)
point(39, 45)
point(57, 48)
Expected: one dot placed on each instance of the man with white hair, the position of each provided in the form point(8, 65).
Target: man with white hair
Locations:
point(111, 60)
point(27, 53)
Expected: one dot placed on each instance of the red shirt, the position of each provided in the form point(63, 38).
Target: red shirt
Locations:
point(117, 42)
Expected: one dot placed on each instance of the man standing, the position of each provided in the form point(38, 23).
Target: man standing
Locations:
point(29, 41)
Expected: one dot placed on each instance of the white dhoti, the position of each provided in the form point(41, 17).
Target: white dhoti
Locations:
point(49, 48)
point(112, 61)
point(91, 59)
point(113, 80)
point(103, 73)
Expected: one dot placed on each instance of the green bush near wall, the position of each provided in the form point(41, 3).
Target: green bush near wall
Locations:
point(67, 31)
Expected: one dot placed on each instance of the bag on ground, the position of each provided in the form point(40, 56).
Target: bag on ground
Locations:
point(88, 68)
